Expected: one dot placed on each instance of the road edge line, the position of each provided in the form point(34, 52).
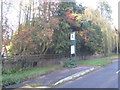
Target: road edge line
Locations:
point(76, 75)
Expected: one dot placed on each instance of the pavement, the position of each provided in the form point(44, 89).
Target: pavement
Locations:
point(106, 77)
point(57, 77)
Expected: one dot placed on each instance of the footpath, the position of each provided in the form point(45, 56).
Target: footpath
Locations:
point(56, 77)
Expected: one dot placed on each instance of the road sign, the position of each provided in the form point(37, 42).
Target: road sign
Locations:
point(72, 36)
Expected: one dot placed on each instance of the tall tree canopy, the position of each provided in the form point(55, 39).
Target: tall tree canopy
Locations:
point(47, 26)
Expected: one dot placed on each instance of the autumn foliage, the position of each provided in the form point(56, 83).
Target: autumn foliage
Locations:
point(31, 41)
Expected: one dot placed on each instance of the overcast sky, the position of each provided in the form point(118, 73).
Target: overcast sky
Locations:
point(112, 3)
point(13, 14)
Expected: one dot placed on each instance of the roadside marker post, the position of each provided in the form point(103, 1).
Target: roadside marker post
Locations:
point(73, 46)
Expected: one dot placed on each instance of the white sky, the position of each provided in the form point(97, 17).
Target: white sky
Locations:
point(13, 15)
point(112, 3)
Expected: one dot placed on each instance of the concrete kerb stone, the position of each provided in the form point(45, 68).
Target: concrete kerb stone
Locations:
point(32, 87)
point(114, 61)
point(76, 75)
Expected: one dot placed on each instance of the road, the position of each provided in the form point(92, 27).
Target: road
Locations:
point(104, 78)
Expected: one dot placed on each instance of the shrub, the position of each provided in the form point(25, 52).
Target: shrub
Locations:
point(9, 71)
point(70, 63)
point(10, 81)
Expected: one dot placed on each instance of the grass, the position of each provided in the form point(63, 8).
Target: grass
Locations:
point(95, 62)
point(103, 61)
point(26, 74)
point(34, 85)
point(112, 56)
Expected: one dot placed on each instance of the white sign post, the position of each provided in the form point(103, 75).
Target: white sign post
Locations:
point(72, 49)
point(73, 44)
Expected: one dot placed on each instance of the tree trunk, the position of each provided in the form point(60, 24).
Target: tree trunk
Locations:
point(1, 27)
point(20, 5)
point(33, 14)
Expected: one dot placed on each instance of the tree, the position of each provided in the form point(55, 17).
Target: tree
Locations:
point(105, 9)
point(67, 23)
point(19, 21)
point(1, 28)
point(116, 41)
point(4, 26)
point(31, 41)
point(105, 26)
point(35, 34)
point(90, 41)
point(47, 26)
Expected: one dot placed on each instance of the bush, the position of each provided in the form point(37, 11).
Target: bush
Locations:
point(9, 71)
point(70, 63)
point(14, 70)
point(10, 81)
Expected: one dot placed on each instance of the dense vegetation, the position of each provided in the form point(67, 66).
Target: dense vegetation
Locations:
point(46, 30)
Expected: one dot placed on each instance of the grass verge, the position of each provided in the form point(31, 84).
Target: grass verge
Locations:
point(34, 85)
point(95, 62)
point(112, 56)
point(25, 75)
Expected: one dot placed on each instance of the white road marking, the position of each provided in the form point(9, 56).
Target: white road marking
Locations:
point(118, 71)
